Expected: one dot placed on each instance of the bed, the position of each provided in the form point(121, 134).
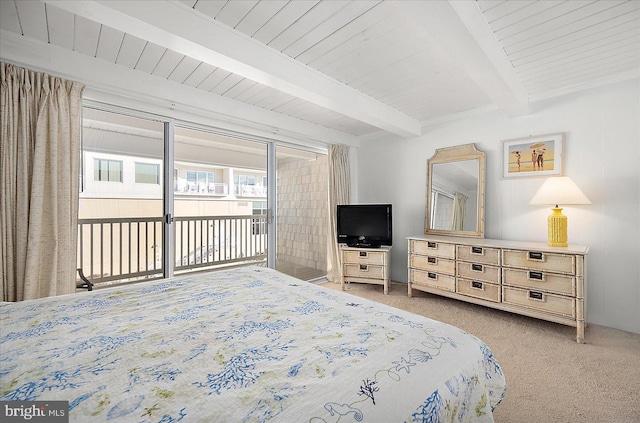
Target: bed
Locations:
point(242, 345)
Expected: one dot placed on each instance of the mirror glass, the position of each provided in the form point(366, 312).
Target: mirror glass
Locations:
point(455, 192)
point(454, 195)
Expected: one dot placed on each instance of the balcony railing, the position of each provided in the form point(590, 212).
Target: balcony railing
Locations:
point(182, 186)
point(204, 241)
point(119, 248)
point(126, 249)
point(243, 190)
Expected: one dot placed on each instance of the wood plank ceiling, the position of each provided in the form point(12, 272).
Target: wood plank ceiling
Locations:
point(553, 45)
point(362, 68)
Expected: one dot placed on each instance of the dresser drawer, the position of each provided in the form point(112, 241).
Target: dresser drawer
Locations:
point(433, 248)
point(536, 260)
point(478, 271)
point(366, 257)
point(433, 279)
point(539, 300)
point(478, 254)
point(369, 271)
point(542, 281)
point(478, 289)
point(434, 264)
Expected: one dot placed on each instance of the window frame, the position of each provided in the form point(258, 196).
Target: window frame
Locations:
point(157, 173)
point(98, 171)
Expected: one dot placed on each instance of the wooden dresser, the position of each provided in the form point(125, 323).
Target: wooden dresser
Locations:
point(365, 265)
point(526, 278)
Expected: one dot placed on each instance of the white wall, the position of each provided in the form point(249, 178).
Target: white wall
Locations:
point(602, 155)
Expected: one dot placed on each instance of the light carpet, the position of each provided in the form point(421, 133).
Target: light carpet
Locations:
point(550, 377)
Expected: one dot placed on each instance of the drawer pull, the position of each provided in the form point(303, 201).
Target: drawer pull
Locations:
point(477, 268)
point(432, 275)
point(432, 244)
point(364, 267)
point(363, 253)
point(477, 250)
point(535, 256)
point(477, 285)
point(536, 276)
point(432, 260)
point(535, 295)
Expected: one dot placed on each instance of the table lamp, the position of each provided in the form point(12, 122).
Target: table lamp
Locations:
point(558, 190)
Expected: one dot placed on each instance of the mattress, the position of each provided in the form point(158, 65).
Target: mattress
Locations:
point(243, 345)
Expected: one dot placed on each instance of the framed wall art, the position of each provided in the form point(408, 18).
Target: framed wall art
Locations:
point(533, 156)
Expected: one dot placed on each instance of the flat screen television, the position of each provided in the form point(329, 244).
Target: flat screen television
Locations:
point(364, 225)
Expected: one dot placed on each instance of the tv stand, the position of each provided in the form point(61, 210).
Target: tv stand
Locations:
point(363, 245)
point(365, 265)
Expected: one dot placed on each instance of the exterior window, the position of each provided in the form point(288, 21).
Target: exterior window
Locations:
point(200, 181)
point(205, 177)
point(244, 184)
point(259, 208)
point(107, 170)
point(244, 180)
point(147, 173)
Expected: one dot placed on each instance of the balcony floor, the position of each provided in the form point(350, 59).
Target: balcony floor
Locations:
point(298, 271)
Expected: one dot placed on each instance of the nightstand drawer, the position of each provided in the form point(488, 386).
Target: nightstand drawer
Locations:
point(478, 254)
point(434, 264)
point(364, 271)
point(540, 300)
point(536, 260)
point(366, 257)
point(537, 280)
point(433, 279)
point(478, 289)
point(433, 248)
point(478, 271)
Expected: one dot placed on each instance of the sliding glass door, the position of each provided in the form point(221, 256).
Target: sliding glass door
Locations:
point(160, 198)
point(220, 197)
point(120, 208)
point(301, 213)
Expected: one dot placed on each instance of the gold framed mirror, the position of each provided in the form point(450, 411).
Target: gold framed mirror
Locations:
point(455, 192)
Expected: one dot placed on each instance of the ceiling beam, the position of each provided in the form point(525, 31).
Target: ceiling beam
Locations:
point(175, 26)
point(461, 31)
point(120, 85)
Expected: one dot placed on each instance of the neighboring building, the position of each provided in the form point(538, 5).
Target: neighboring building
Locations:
point(112, 181)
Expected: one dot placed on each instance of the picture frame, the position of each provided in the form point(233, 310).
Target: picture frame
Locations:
point(533, 156)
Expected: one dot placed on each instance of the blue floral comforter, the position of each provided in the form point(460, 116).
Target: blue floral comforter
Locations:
point(243, 345)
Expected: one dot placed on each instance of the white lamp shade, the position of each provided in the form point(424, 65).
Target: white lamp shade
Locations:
point(559, 190)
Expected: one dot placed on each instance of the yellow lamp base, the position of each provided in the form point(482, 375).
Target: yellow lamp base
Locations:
point(557, 224)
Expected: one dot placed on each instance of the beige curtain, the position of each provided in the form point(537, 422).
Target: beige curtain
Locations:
point(39, 171)
point(459, 211)
point(339, 193)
